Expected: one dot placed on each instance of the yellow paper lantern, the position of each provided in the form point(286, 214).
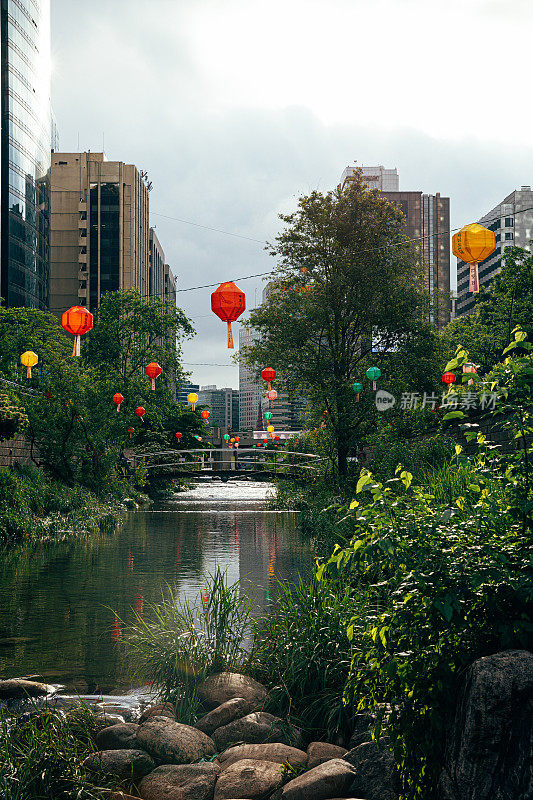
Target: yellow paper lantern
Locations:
point(193, 399)
point(270, 428)
point(29, 359)
point(473, 244)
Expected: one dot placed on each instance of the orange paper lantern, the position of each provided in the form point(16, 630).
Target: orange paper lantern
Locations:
point(473, 244)
point(228, 302)
point(77, 321)
point(140, 411)
point(153, 370)
point(118, 399)
point(205, 414)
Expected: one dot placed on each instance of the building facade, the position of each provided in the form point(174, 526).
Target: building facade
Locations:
point(185, 388)
point(99, 233)
point(25, 145)
point(223, 405)
point(427, 224)
point(156, 270)
point(512, 223)
point(250, 391)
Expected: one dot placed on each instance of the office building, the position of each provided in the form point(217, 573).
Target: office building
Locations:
point(250, 390)
point(26, 138)
point(427, 223)
point(184, 388)
point(223, 405)
point(512, 223)
point(100, 233)
point(156, 270)
point(170, 285)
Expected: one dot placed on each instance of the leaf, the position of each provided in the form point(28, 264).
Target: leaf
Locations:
point(354, 504)
point(458, 449)
point(453, 415)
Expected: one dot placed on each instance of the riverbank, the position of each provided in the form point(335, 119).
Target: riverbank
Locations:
point(34, 506)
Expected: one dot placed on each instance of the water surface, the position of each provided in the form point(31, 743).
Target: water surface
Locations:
point(63, 605)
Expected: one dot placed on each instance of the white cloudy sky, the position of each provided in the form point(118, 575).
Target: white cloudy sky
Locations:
point(236, 107)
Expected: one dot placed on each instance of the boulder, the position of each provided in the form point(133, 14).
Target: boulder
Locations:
point(159, 710)
point(123, 764)
point(489, 745)
point(257, 728)
point(223, 714)
point(248, 778)
point(180, 782)
point(169, 742)
point(277, 753)
point(106, 720)
point(319, 752)
point(216, 689)
point(362, 731)
point(118, 737)
point(115, 708)
point(328, 780)
point(375, 770)
point(18, 688)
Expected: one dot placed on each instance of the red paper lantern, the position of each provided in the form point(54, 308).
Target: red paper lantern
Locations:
point(131, 431)
point(118, 399)
point(448, 378)
point(268, 375)
point(277, 438)
point(178, 435)
point(153, 370)
point(237, 438)
point(140, 412)
point(228, 302)
point(77, 321)
point(205, 414)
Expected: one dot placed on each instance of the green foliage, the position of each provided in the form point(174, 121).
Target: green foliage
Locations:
point(302, 652)
point(340, 259)
point(41, 758)
point(175, 645)
point(13, 418)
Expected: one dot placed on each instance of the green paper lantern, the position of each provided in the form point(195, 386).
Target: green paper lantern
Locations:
point(358, 388)
point(226, 437)
point(268, 415)
point(373, 373)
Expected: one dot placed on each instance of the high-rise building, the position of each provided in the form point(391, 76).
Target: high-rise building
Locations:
point(512, 222)
point(250, 391)
point(100, 233)
point(223, 405)
point(170, 285)
point(184, 388)
point(26, 138)
point(156, 273)
point(427, 223)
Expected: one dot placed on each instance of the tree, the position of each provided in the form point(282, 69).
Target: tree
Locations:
point(345, 273)
point(507, 302)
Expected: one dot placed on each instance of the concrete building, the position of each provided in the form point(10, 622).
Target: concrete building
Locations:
point(25, 144)
point(170, 285)
point(427, 223)
point(512, 225)
point(250, 391)
point(100, 233)
point(223, 405)
point(156, 271)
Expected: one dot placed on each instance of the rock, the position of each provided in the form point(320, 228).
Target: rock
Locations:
point(328, 780)
point(169, 742)
point(17, 688)
point(124, 764)
point(180, 782)
point(114, 709)
point(375, 770)
point(122, 796)
point(319, 752)
point(106, 720)
point(118, 737)
point(223, 714)
point(489, 746)
point(248, 778)
point(216, 689)
point(363, 724)
point(257, 728)
point(160, 710)
point(277, 753)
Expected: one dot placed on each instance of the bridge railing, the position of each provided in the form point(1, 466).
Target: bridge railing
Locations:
point(198, 460)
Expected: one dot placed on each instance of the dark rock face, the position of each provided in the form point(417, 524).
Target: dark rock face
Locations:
point(124, 764)
point(490, 745)
point(180, 782)
point(319, 752)
point(257, 728)
point(249, 778)
point(375, 770)
point(159, 710)
point(224, 714)
point(168, 742)
point(216, 689)
point(18, 688)
point(118, 737)
point(331, 779)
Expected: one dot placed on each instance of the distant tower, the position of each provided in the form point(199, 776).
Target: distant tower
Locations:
point(259, 424)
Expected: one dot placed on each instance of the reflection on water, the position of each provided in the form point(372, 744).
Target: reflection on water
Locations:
point(63, 606)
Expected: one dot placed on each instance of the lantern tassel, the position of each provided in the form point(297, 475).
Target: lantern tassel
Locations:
point(28, 373)
point(357, 397)
point(77, 346)
point(153, 384)
point(118, 408)
point(374, 385)
point(230, 337)
point(474, 278)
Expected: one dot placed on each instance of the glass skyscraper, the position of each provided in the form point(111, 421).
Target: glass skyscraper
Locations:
point(25, 152)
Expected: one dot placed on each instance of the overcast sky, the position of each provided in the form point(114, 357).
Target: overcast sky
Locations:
point(236, 107)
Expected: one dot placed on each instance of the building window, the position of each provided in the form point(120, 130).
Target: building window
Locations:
point(509, 222)
point(508, 237)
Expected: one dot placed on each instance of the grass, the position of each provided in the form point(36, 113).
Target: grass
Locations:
point(174, 644)
point(35, 506)
point(41, 757)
